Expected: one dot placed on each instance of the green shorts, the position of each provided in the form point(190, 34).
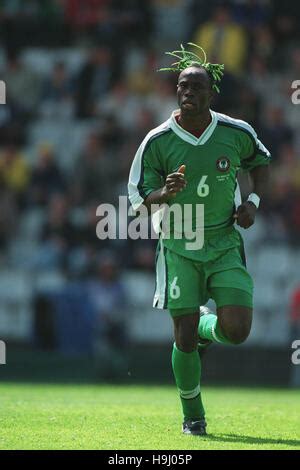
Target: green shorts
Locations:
point(182, 284)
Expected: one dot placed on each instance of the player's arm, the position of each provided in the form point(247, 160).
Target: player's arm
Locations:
point(245, 214)
point(255, 159)
point(174, 183)
point(260, 178)
point(148, 183)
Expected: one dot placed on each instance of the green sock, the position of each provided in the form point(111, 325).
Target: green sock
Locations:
point(209, 328)
point(187, 370)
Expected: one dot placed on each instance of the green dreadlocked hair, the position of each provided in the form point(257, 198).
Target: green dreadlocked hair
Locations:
point(188, 59)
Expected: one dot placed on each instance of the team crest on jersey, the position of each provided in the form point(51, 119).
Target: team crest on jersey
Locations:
point(223, 164)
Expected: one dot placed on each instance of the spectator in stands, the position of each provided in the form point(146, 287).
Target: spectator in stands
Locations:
point(15, 172)
point(94, 81)
point(112, 133)
point(275, 131)
point(82, 257)
point(57, 237)
point(223, 40)
point(57, 94)
point(13, 129)
point(262, 44)
point(46, 177)
point(141, 79)
point(259, 78)
point(201, 12)
point(58, 224)
point(24, 84)
point(247, 105)
point(94, 173)
point(285, 23)
point(8, 214)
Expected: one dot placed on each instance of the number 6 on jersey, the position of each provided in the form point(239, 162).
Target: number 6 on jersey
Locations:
point(174, 289)
point(203, 188)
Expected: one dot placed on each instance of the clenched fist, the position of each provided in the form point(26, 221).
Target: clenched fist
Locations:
point(245, 214)
point(175, 182)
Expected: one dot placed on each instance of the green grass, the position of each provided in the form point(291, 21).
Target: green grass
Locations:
point(139, 417)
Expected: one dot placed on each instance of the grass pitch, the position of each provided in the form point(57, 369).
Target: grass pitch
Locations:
point(140, 417)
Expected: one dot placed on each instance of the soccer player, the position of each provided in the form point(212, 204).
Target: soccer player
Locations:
point(193, 158)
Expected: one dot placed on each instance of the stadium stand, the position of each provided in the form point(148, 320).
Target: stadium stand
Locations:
point(78, 91)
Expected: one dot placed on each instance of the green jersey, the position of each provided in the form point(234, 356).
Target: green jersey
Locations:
point(212, 163)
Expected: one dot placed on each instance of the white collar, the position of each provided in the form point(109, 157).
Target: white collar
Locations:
point(187, 136)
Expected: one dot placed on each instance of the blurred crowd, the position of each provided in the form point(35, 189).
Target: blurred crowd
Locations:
point(86, 71)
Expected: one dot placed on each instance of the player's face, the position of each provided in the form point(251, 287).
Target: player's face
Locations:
point(194, 91)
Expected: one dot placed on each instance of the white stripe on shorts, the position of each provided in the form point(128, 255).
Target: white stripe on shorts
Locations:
point(159, 296)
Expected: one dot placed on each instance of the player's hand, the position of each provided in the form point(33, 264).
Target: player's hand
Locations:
point(175, 182)
point(245, 214)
